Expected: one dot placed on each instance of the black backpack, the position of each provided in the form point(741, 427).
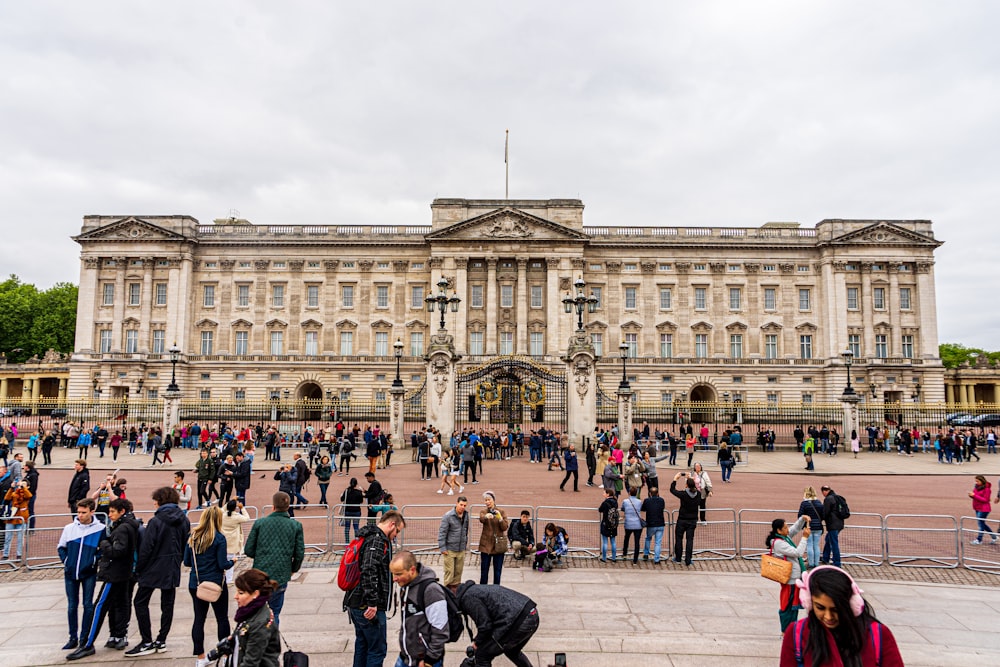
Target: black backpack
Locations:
point(456, 619)
point(611, 519)
point(840, 508)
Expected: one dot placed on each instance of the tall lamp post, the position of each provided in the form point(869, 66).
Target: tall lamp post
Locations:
point(397, 349)
point(441, 301)
point(397, 392)
point(580, 302)
point(623, 353)
point(175, 356)
point(848, 357)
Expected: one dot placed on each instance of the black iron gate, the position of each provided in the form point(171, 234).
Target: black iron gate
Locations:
point(508, 392)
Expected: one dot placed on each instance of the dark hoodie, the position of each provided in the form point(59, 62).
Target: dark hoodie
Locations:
point(118, 550)
point(495, 610)
point(690, 502)
point(162, 548)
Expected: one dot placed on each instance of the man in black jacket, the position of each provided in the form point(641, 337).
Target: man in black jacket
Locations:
point(834, 524)
point(158, 567)
point(373, 495)
point(241, 477)
point(79, 486)
point(505, 621)
point(521, 536)
point(687, 516)
point(366, 603)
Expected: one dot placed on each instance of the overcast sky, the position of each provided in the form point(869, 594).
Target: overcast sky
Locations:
point(673, 114)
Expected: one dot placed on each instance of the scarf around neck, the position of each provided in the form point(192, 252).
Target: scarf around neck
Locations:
point(251, 608)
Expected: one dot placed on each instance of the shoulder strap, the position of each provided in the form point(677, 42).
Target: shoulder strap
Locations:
point(876, 633)
point(797, 632)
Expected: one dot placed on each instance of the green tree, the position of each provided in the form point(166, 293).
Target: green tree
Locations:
point(954, 355)
point(17, 308)
point(31, 321)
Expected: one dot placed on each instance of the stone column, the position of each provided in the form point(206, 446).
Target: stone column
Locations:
point(117, 334)
point(462, 289)
point(62, 390)
point(3, 388)
point(398, 416)
point(147, 304)
point(441, 359)
point(581, 378)
point(491, 306)
point(521, 297)
point(553, 305)
point(850, 420)
point(171, 410)
point(625, 417)
point(949, 394)
point(86, 306)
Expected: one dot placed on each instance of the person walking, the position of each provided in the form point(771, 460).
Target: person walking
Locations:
point(834, 523)
point(689, 448)
point(654, 510)
point(351, 500)
point(79, 486)
point(724, 457)
point(505, 621)
point(324, 472)
point(572, 468)
point(590, 452)
point(367, 602)
point(78, 551)
point(453, 541)
point(158, 567)
point(812, 509)
point(205, 554)
point(205, 469)
point(687, 517)
point(980, 494)
point(241, 475)
point(493, 539)
point(780, 543)
point(277, 545)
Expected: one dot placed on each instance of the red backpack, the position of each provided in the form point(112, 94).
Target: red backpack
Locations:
point(349, 572)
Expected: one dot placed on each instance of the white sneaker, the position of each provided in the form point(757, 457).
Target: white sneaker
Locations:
point(451, 492)
point(202, 662)
point(976, 542)
point(461, 488)
point(440, 491)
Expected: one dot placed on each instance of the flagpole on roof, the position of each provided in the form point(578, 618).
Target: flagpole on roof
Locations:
point(506, 165)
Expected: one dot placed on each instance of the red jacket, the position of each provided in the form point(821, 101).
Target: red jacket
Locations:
point(890, 651)
point(981, 498)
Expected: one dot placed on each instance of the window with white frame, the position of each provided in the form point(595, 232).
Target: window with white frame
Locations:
point(346, 343)
point(536, 296)
point(207, 341)
point(666, 397)
point(770, 346)
point(807, 399)
point(700, 298)
point(852, 298)
point(381, 296)
point(630, 298)
point(666, 345)
point(131, 341)
point(347, 296)
point(416, 343)
point(312, 296)
point(476, 343)
point(665, 298)
point(878, 298)
point(701, 346)
point(597, 293)
point(105, 341)
point(239, 395)
point(475, 296)
point(907, 347)
point(312, 343)
point(208, 296)
point(108, 294)
point(242, 343)
point(805, 299)
point(854, 344)
point(205, 395)
point(536, 344)
point(506, 296)
point(277, 342)
point(770, 298)
point(904, 298)
point(242, 296)
point(735, 298)
point(134, 294)
point(772, 397)
point(277, 296)
point(381, 343)
point(159, 341)
point(806, 346)
point(160, 294)
point(632, 342)
point(881, 346)
point(736, 346)
point(416, 296)
point(506, 342)
point(597, 340)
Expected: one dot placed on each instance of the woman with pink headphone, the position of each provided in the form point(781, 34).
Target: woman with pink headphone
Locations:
point(840, 630)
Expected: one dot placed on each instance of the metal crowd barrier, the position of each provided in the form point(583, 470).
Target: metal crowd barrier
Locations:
point(862, 540)
point(983, 557)
point(717, 537)
point(582, 524)
point(325, 519)
point(933, 542)
point(423, 522)
point(753, 527)
point(41, 543)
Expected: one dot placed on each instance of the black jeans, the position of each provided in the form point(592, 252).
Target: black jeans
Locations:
point(115, 606)
point(221, 609)
point(470, 465)
point(685, 528)
point(203, 493)
point(632, 532)
point(513, 643)
point(142, 598)
point(576, 479)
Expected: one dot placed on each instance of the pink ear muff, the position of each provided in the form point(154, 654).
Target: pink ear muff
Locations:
point(805, 597)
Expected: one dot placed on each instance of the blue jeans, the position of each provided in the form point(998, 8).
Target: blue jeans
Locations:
point(73, 599)
point(9, 537)
point(348, 522)
point(657, 534)
point(277, 601)
point(983, 526)
point(812, 548)
point(484, 567)
point(400, 663)
point(605, 542)
point(727, 470)
point(832, 548)
point(370, 644)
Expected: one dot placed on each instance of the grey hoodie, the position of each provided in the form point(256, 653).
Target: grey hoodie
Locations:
point(424, 630)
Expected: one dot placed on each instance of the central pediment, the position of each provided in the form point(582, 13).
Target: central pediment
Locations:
point(884, 233)
point(506, 224)
point(129, 229)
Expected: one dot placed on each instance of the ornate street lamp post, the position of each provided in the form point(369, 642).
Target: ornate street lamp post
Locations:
point(580, 302)
point(623, 353)
point(441, 300)
point(397, 349)
point(848, 360)
point(175, 356)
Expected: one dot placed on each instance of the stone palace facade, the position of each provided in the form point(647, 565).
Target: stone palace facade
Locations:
point(742, 313)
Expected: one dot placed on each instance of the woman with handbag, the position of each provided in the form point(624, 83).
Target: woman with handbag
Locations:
point(206, 555)
point(633, 525)
point(493, 540)
point(812, 508)
point(779, 541)
point(704, 485)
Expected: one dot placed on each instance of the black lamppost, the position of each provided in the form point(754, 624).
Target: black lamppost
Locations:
point(138, 389)
point(441, 300)
point(916, 391)
point(397, 349)
point(848, 360)
point(873, 388)
point(175, 356)
point(581, 302)
point(623, 386)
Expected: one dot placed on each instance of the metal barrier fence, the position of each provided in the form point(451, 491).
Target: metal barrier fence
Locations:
point(932, 542)
point(753, 527)
point(423, 522)
point(717, 537)
point(582, 524)
point(41, 543)
point(325, 521)
point(862, 541)
point(983, 557)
